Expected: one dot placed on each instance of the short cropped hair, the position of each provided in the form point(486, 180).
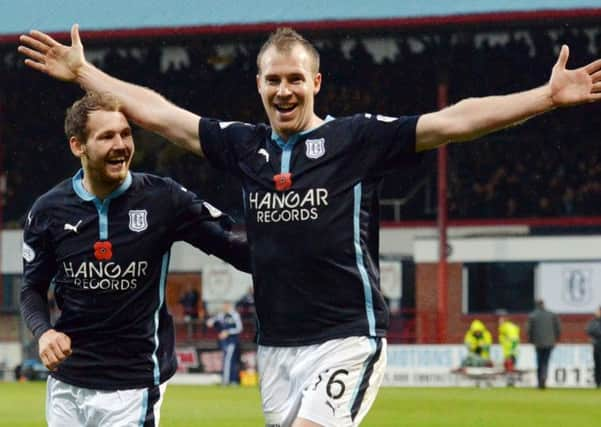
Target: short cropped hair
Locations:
point(76, 119)
point(284, 39)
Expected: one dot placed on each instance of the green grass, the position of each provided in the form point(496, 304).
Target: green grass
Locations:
point(185, 406)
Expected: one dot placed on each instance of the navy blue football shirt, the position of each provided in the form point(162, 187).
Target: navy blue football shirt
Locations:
point(312, 217)
point(108, 259)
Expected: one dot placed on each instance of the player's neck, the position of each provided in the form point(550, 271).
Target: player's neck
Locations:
point(313, 123)
point(99, 189)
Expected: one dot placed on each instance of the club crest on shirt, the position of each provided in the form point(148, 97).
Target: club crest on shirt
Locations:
point(315, 148)
point(138, 220)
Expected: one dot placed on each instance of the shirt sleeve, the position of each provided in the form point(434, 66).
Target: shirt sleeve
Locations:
point(39, 267)
point(207, 228)
point(224, 143)
point(385, 144)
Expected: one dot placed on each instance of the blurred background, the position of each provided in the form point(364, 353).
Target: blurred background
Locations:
point(517, 212)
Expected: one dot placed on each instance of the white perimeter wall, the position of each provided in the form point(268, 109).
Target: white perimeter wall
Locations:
point(468, 244)
point(571, 365)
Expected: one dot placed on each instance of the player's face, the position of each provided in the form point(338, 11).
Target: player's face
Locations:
point(108, 151)
point(288, 85)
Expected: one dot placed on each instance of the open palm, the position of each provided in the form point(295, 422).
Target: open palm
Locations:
point(572, 87)
point(50, 57)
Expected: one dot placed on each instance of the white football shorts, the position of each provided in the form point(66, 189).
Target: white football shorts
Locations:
point(71, 406)
point(331, 384)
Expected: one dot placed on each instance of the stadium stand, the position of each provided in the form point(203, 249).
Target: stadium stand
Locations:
point(546, 169)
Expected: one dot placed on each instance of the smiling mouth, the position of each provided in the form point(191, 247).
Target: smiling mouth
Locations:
point(116, 161)
point(285, 108)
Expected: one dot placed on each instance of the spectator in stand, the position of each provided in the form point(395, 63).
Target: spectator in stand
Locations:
point(544, 330)
point(189, 302)
point(568, 202)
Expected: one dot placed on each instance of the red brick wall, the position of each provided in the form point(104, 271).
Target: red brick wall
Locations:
point(426, 300)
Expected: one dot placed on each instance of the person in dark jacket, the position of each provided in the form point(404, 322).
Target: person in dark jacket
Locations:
point(229, 325)
point(543, 331)
point(593, 329)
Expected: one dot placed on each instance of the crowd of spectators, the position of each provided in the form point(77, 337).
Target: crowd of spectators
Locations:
point(548, 167)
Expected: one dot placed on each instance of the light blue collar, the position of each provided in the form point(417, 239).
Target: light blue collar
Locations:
point(294, 138)
point(83, 194)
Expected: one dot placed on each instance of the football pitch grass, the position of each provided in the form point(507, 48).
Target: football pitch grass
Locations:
point(22, 404)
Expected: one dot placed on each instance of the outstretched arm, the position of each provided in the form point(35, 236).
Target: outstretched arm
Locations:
point(474, 117)
point(143, 106)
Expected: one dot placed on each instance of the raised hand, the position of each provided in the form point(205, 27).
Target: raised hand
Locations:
point(572, 87)
point(50, 57)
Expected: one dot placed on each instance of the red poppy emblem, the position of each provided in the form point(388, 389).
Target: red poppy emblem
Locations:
point(103, 251)
point(283, 181)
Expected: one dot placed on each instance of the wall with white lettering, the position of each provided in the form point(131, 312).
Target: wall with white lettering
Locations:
point(432, 366)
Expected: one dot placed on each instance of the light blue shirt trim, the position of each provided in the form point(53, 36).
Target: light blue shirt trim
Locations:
point(287, 146)
point(287, 155)
point(103, 218)
point(369, 305)
point(102, 206)
point(162, 283)
point(275, 137)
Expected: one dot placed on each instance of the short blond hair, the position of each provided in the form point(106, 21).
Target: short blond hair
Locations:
point(284, 39)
